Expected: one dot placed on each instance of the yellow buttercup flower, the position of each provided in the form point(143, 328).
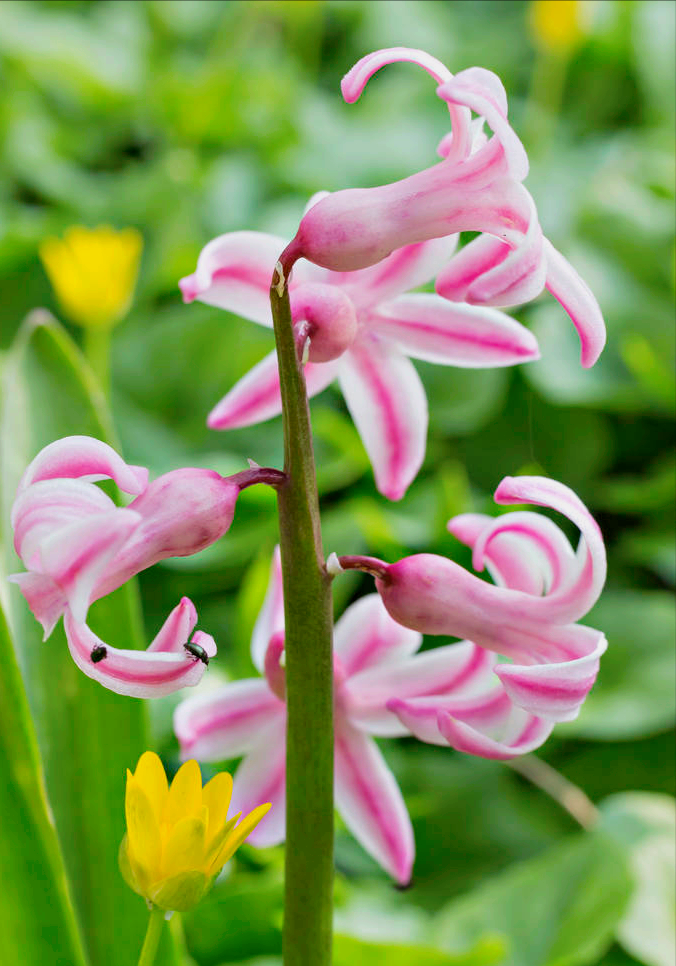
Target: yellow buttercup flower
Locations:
point(558, 25)
point(178, 838)
point(93, 272)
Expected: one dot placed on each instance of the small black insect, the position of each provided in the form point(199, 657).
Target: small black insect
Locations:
point(98, 653)
point(198, 652)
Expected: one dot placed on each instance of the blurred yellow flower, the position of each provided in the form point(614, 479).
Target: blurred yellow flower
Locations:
point(93, 272)
point(178, 838)
point(558, 25)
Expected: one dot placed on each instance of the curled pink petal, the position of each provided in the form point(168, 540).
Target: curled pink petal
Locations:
point(175, 631)
point(430, 328)
point(578, 300)
point(356, 79)
point(522, 550)
point(77, 556)
point(270, 619)
point(256, 397)
point(482, 92)
point(49, 505)
point(367, 637)
point(261, 777)
point(370, 803)
point(388, 405)
point(454, 668)
point(572, 600)
point(83, 456)
point(556, 690)
point(225, 722)
point(138, 674)
point(473, 261)
point(527, 733)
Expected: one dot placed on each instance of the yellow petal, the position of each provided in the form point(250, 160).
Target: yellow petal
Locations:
point(216, 796)
point(184, 849)
point(237, 836)
point(144, 843)
point(185, 794)
point(214, 845)
point(151, 777)
point(130, 873)
point(180, 892)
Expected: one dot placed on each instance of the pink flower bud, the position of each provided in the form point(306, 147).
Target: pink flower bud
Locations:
point(331, 321)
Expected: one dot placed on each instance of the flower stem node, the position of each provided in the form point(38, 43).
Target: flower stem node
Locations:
point(178, 837)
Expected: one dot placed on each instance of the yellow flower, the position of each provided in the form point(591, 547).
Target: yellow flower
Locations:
point(558, 24)
point(93, 272)
point(178, 839)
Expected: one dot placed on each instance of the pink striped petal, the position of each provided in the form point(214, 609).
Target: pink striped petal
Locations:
point(83, 456)
point(580, 592)
point(356, 79)
point(256, 396)
point(431, 328)
point(226, 722)
point(406, 268)
point(44, 597)
point(234, 272)
point(473, 261)
point(556, 690)
point(270, 619)
point(77, 556)
point(175, 631)
point(50, 505)
point(370, 803)
point(483, 93)
point(454, 668)
point(261, 777)
point(138, 674)
point(354, 82)
point(367, 637)
point(522, 550)
point(487, 725)
point(487, 711)
point(526, 734)
point(578, 300)
point(388, 405)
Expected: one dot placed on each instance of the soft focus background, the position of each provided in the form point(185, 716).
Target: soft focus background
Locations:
point(186, 119)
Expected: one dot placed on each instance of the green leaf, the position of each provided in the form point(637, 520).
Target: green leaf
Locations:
point(645, 824)
point(347, 951)
point(37, 919)
point(87, 735)
point(559, 909)
point(634, 694)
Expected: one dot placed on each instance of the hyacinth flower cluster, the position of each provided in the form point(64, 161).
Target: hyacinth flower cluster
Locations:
point(350, 294)
point(341, 299)
point(78, 546)
point(457, 694)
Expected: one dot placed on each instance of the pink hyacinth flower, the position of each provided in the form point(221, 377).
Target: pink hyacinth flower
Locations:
point(543, 587)
point(78, 546)
point(374, 658)
point(361, 329)
point(476, 187)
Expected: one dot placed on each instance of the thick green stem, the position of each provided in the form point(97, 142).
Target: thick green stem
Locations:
point(152, 940)
point(309, 670)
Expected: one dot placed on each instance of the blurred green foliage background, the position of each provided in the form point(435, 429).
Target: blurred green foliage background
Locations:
point(190, 118)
